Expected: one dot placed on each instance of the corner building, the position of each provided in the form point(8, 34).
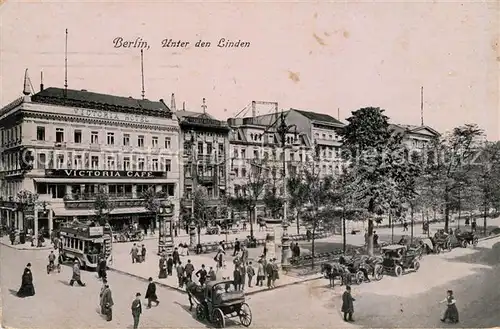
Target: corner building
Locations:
point(81, 142)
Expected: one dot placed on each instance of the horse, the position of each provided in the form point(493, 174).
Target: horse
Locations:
point(195, 291)
point(333, 271)
point(262, 225)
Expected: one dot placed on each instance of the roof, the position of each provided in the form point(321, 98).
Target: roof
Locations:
point(412, 128)
point(211, 284)
point(394, 247)
point(87, 99)
point(318, 116)
point(183, 113)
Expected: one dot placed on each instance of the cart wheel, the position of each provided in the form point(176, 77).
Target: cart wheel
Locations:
point(398, 270)
point(218, 318)
point(360, 277)
point(438, 249)
point(141, 237)
point(378, 272)
point(245, 315)
point(448, 246)
point(200, 312)
point(464, 244)
point(416, 265)
point(474, 242)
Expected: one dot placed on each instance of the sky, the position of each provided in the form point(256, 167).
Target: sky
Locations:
point(324, 57)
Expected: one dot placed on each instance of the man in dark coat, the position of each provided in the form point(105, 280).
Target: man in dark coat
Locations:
point(180, 274)
point(143, 253)
point(151, 293)
point(163, 268)
point(27, 289)
point(237, 278)
point(269, 273)
point(347, 304)
point(189, 269)
point(107, 303)
point(170, 265)
point(175, 256)
point(236, 247)
point(202, 275)
point(76, 275)
point(136, 309)
point(102, 268)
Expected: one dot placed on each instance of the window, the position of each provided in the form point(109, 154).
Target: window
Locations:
point(209, 148)
point(200, 148)
point(111, 138)
point(154, 141)
point(140, 141)
point(155, 165)
point(77, 137)
point(126, 163)
point(78, 161)
point(94, 162)
point(140, 164)
point(221, 149)
point(243, 172)
point(94, 137)
point(111, 163)
point(255, 154)
point(167, 142)
point(59, 135)
point(60, 160)
point(243, 154)
point(40, 133)
point(42, 161)
point(168, 165)
point(126, 140)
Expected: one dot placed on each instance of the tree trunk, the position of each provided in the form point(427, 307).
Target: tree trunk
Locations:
point(370, 237)
point(298, 222)
point(485, 215)
point(251, 214)
point(446, 210)
point(312, 243)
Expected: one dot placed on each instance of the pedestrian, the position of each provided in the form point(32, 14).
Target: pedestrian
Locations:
point(134, 252)
point(189, 269)
point(260, 273)
point(143, 253)
point(276, 275)
point(180, 274)
point(250, 273)
point(211, 274)
point(12, 236)
point(236, 247)
point(202, 275)
point(102, 268)
point(405, 226)
point(151, 293)
point(219, 260)
point(163, 268)
point(176, 257)
point(107, 302)
point(347, 305)
point(375, 238)
point(269, 273)
point(76, 275)
point(170, 265)
point(243, 275)
point(136, 309)
point(264, 251)
point(451, 312)
point(244, 255)
point(237, 278)
point(473, 225)
point(27, 288)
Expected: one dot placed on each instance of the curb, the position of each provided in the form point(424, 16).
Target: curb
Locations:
point(26, 248)
point(184, 291)
point(489, 237)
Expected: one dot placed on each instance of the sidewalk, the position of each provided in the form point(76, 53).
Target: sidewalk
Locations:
point(122, 263)
point(5, 241)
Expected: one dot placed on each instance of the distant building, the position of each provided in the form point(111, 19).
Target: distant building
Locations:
point(415, 137)
point(205, 144)
point(82, 142)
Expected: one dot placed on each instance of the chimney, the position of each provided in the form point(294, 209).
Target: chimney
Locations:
point(41, 80)
point(172, 103)
point(27, 84)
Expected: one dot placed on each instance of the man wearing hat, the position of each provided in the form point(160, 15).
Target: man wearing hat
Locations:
point(107, 302)
point(151, 293)
point(136, 309)
point(76, 275)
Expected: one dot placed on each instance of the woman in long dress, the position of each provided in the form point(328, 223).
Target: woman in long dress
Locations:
point(451, 312)
point(27, 289)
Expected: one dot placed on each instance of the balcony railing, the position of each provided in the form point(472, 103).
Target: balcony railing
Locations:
point(91, 196)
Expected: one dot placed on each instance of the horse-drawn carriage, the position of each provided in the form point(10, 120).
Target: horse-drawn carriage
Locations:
point(128, 235)
point(218, 300)
point(398, 259)
point(467, 238)
point(353, 269)
point(441, 241)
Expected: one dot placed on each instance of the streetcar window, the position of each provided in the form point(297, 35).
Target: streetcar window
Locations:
point(72, 243)
point(81, 245)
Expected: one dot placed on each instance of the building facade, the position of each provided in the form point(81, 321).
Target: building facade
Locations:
point(80, 143)
point(204, 163)
point(416, 137)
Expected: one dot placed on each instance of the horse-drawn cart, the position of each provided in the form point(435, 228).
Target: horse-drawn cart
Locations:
point(217, 302)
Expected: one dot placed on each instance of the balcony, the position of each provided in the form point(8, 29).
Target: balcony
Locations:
point(119, 200)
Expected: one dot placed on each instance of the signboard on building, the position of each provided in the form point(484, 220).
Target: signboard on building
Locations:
point(96, 231)
point(87, 173)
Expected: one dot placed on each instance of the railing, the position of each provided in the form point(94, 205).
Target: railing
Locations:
point(91, 196)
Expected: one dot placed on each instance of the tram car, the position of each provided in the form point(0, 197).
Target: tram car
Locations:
point(86, 242)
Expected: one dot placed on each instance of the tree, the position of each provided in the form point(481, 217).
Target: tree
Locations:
point(103, 206)
point(381, 175)
point(200, 197)
point(251, 191)
point(452, 160)
point(296, 196)
point(152, 201)
point(271, 198)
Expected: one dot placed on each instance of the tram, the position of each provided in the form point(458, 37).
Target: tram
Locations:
point(86, 242)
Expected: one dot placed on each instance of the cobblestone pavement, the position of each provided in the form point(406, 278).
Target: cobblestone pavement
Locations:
point(57, 305)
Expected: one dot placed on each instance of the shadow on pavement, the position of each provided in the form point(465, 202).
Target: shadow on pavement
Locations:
point(13, 292)
point(193, 313)
point(481, 256)
point(66, 283)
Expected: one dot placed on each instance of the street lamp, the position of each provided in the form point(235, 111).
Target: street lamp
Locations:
point(165, 213)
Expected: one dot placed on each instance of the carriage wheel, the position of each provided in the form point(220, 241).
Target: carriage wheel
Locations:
point(416, 265)
point(360, 277)
point(245, 315)
point(398, 270)
point(200, 312)
point(475, 241)
point(378, 272)
point(141, 237)
point(218, 318)
point(448, 246)
point(48, 269)
point(464, 244)
point(438, 249)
